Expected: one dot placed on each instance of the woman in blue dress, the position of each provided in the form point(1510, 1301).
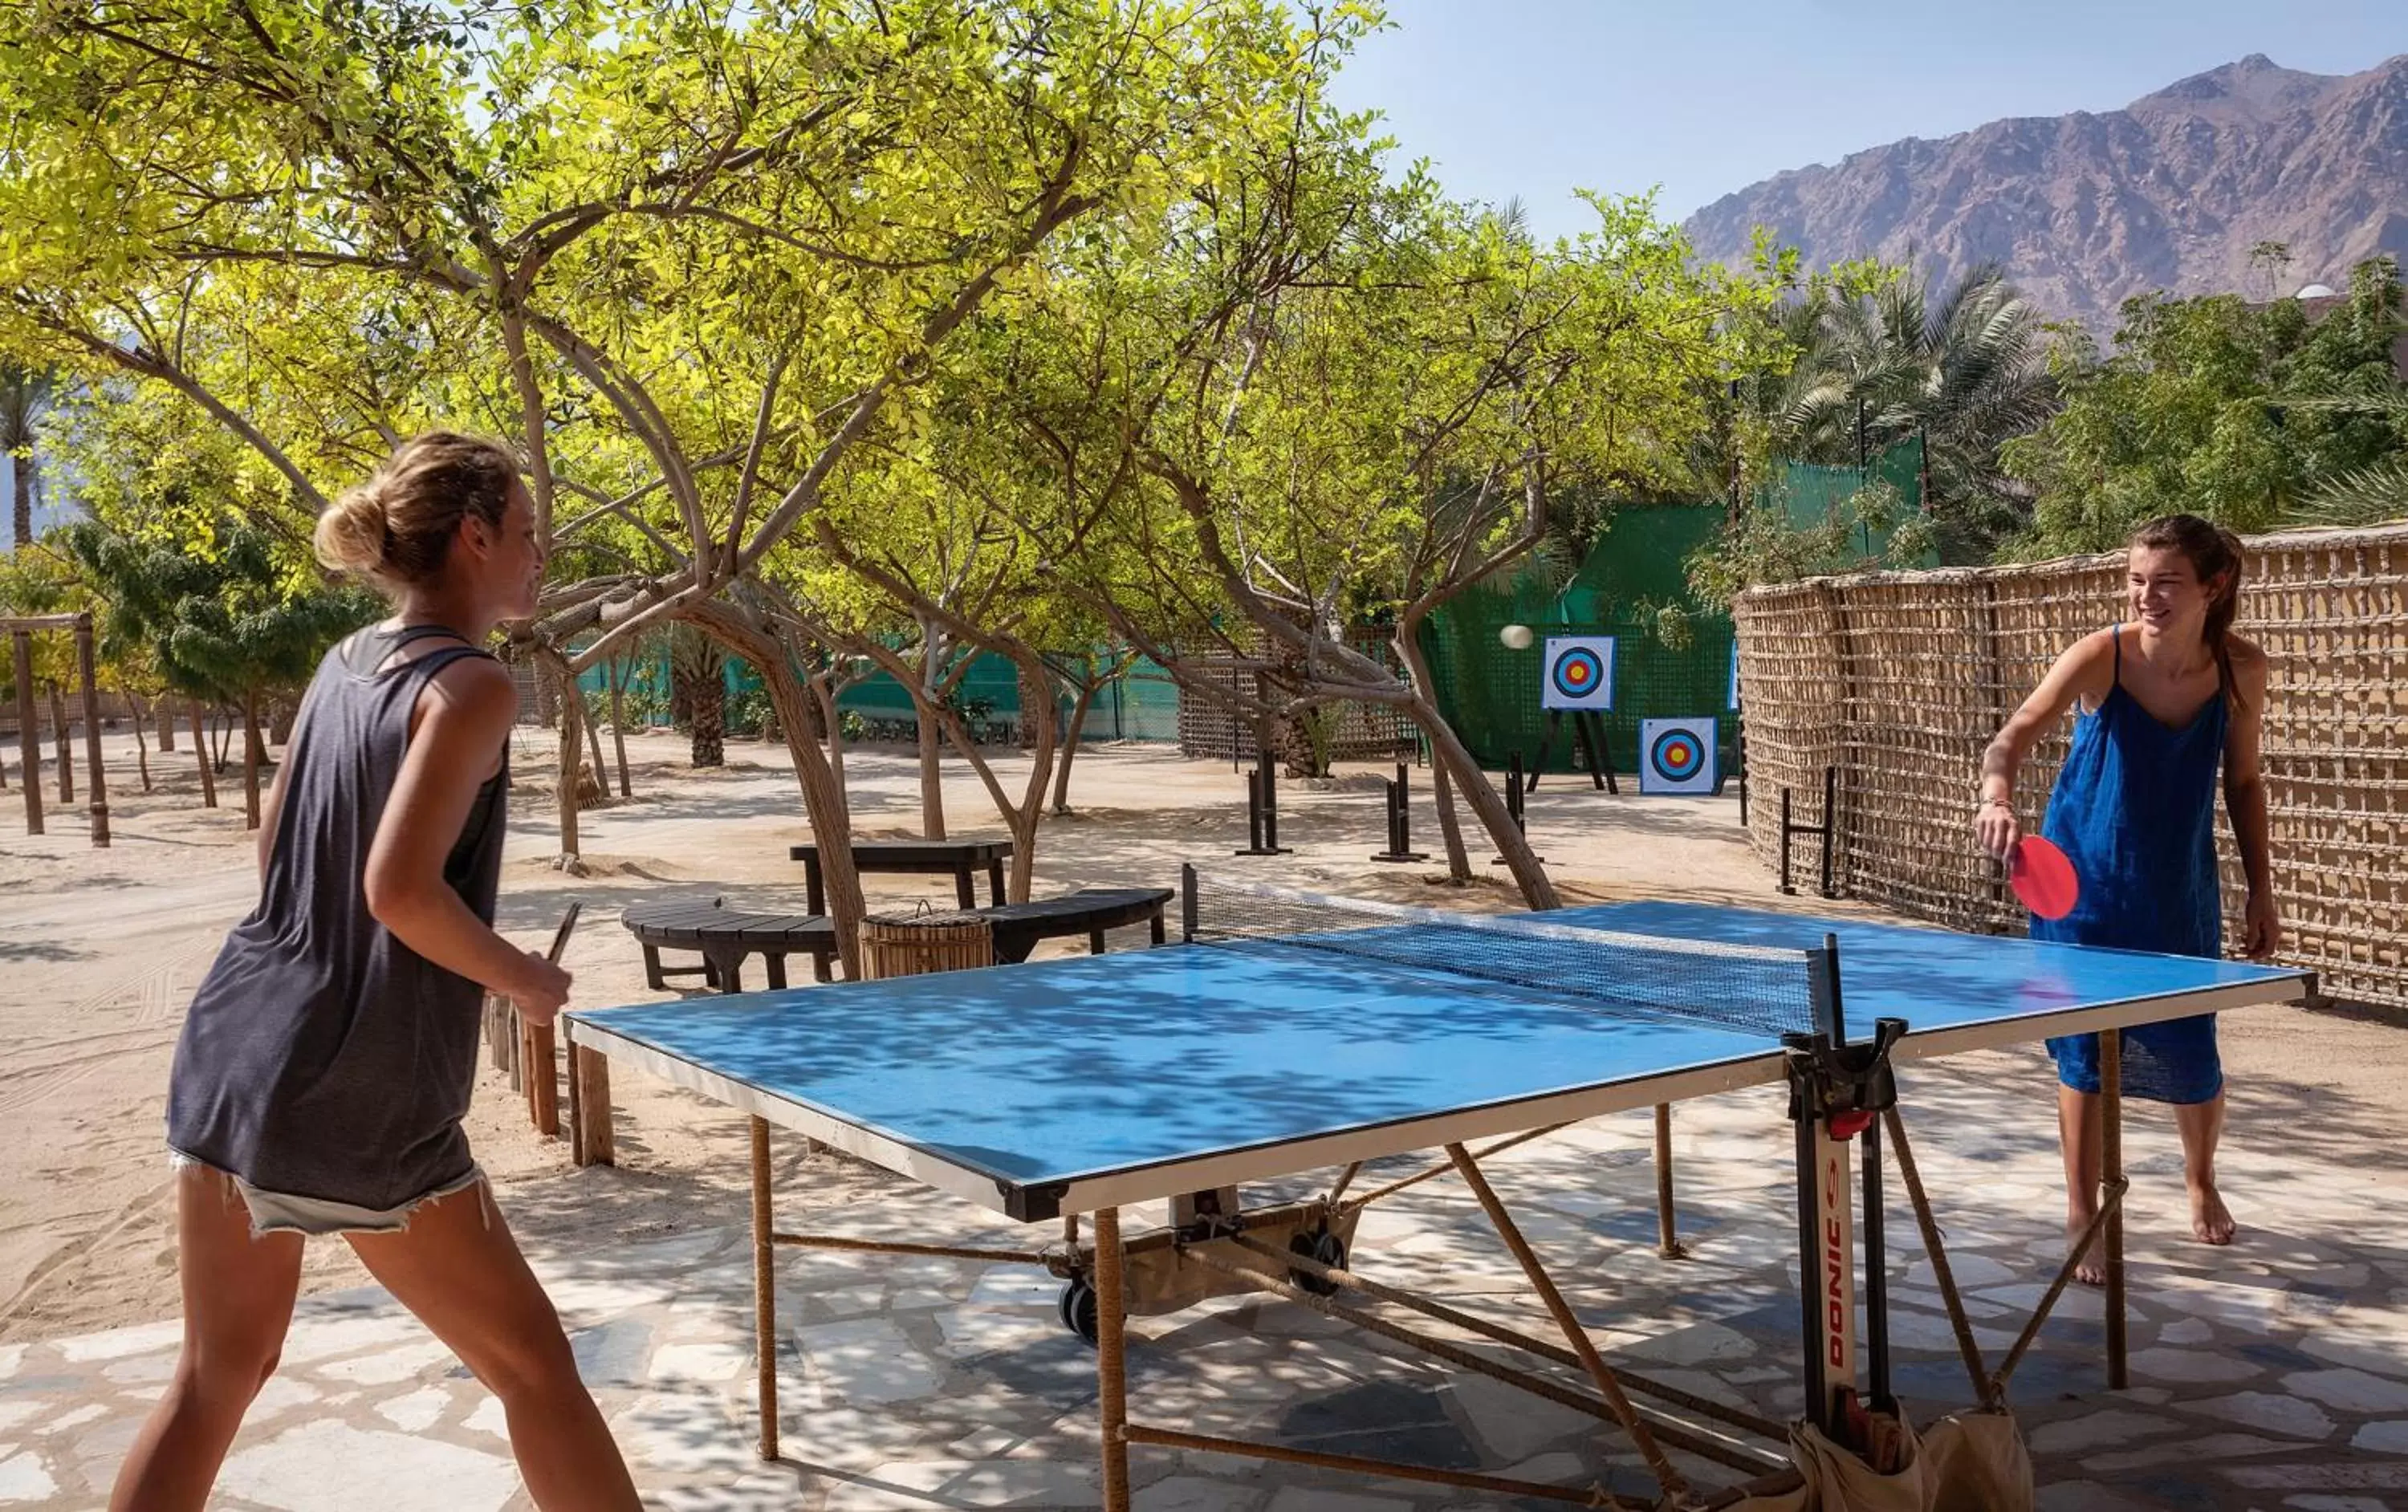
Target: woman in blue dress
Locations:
point(2166, 699)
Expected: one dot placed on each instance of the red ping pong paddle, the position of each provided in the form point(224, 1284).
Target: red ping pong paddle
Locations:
point(2043, 878)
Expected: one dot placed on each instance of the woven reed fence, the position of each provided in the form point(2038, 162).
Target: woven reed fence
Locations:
point(1210, 729)
point(1899, 679)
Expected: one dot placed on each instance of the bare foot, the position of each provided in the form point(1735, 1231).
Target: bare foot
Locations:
point(2093, 1269)
point(2209, 1219)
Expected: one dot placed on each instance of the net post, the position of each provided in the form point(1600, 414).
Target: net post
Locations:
point(1823, 973)
point(1187, 903)
point(1876, 1282)
point(1802, 1050)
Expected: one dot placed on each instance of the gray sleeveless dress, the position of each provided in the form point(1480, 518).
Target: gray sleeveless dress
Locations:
point(323, 1061)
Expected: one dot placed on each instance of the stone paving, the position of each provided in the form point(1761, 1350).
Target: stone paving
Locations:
point(2273, 1374)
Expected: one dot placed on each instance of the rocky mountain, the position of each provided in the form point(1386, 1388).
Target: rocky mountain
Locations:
point(2084, 210)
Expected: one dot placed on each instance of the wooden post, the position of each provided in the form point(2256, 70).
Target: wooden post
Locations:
point(92, 730)
point(594, 1146)
point(29, 734)
point(539, 1055)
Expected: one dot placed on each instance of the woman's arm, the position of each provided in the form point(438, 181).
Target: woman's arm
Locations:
point(2244, 795)
point(464, 717)
point(2087, 669)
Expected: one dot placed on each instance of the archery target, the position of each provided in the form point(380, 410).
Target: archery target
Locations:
point(1676, 756)
point(1579, 673)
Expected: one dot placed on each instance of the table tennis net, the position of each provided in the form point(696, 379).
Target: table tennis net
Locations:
point(1751, 989)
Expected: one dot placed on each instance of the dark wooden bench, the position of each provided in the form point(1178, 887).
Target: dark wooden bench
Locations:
point(724, 936)
point(960, 859)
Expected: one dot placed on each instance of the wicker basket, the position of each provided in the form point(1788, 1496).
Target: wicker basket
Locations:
point(913, 944)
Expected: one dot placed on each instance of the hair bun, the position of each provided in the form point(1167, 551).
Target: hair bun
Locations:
point(351, 536)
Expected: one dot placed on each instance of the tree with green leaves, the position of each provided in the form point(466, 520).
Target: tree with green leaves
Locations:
point(686, 261)
point(225, 620)
point(1882, 358)
point(2253, 416)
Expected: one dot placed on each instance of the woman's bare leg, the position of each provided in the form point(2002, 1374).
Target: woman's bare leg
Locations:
point(238, 1296)
point(2202, 1126)
point(457, 1267)
point(2079, 1124)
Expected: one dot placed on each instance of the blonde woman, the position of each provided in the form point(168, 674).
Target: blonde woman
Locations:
point(327, 1058)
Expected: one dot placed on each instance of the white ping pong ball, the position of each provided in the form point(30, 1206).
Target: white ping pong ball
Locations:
point(1516, 637)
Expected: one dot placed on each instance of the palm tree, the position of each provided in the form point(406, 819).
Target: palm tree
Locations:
point(1965, 371)
point(25, 395)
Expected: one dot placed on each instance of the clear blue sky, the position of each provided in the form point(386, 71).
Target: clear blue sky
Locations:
point(1535, 98)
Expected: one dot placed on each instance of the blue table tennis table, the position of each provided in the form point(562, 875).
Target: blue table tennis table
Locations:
point(1292, 1035)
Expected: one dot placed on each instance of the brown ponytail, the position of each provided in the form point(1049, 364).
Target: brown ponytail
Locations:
point(396, 528)
point(2214, 553)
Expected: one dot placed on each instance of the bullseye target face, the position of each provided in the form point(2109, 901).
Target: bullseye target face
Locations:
point(1579, 673)
point(1676, 756)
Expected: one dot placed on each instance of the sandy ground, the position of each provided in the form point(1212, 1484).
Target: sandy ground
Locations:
point(102, 949)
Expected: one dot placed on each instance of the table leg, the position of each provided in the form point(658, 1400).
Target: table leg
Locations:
point(653, 977)
point(966, 890)
point(2110, 1170)
point(775, 966)
point(820, 972)
point(995, 882)
point(1668, 1239)
point(1112, 1359)
point(1155, 925)
point(1094, 942)
point(765, 1290)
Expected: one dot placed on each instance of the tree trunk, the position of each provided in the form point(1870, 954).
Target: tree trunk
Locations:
point(710, 719)
point(280, 721)
point(823, 702)
point(22, 497)
point(593, 743)
point(66, 757)
point(201, 755)
point(618, 676)
point(1407, 642)
point(822, 800)
point(551, 670)
point(1537, 890)
point(932, 773)
point(932, 779)
point(251, 754)
point(1070, 745)
point(1450, 824)
point(141, 746)
point(166, 726)
point(1020, 818)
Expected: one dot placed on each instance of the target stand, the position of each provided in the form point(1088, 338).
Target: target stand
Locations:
point(1588, 730)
